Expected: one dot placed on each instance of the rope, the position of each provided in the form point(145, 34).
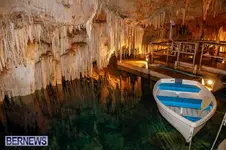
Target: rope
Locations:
point(191, 135)
point(222, 123)
point(190, 144)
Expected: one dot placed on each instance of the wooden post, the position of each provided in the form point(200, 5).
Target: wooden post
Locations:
point(171, 18)
point(167, 55)
point(201, 32)
point(194, 56)
point(178, 55)
point(152, 55)
point(200, 63)
point(121, 51)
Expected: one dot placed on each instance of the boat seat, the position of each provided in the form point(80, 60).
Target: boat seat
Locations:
point(192, 118)
point(183, 102)
point(179, 87)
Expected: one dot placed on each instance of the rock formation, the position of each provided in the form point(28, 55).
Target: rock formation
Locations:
point(42, 41)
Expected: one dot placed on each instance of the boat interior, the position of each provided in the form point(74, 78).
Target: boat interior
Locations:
point(183, 99)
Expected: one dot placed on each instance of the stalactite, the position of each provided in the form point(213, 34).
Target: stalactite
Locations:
point(186, 7)
point(155, 23)
point(52, 56)
point(89, 22)
point(139, 32)
point(215, 5)
point(158, 21)
point(129, 39)
point(121, 38)
point(13, 48)
point(184, 15)
point(206, 4)
point(3, 54)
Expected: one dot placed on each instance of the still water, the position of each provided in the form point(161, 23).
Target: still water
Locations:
point(115, 111)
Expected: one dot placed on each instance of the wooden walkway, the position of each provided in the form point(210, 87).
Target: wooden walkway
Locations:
point(140, 68)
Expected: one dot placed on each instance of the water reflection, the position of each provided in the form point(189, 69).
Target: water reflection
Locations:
point(30, 114)
point(108, 111)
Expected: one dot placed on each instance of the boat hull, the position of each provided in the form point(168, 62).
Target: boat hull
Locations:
point(185, 129)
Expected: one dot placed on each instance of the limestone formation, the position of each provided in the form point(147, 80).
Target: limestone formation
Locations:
point(42, 41)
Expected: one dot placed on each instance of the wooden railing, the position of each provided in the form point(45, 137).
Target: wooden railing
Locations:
point(191, 54)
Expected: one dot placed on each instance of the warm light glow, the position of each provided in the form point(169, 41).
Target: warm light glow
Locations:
point(147, 58)
point(190, 56)
point(203, 82)
point(210, 82)
point(210, 89)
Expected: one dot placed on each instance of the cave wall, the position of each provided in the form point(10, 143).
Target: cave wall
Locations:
point(193, 21)
point(38, 42)
point(43, 41)
point(35, 54)
point(29, 62)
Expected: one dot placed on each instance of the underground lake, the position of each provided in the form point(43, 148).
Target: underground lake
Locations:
point(114, 110)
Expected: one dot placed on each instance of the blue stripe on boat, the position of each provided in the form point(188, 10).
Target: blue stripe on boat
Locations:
point(179, 87)
point(193, 119)
point(182, 102)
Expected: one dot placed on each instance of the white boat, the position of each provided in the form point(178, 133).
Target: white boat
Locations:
point(180, 101)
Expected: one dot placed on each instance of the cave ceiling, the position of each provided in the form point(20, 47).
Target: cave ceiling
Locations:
point(142, 11)
point(79, 11)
